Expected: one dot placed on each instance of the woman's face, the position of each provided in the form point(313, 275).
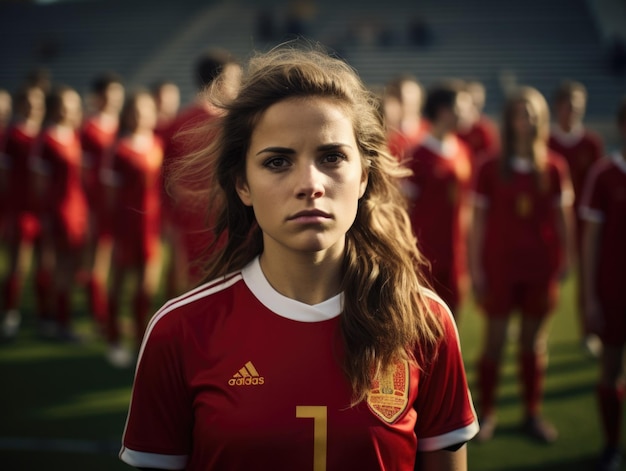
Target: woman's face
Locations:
point(71, 108)
point(304, 176)
point(524, 120)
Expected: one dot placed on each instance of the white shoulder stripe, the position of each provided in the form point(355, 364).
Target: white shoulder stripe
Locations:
point(200, 292)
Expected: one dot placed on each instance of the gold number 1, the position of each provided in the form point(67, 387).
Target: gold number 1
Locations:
point(320, 433)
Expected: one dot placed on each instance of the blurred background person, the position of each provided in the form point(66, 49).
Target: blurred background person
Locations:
point(603, 212)
point(134, 188)
point(166, 94)
point(186, 226)
point(519, 248)
point(98, 133)
point(437, 192)
point(6, 110)
point(476, 129)
point(581, 147)
point(63, 203)
point(19, 207)
point(403, 99)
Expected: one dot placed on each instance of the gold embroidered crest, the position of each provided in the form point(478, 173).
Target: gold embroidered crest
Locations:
point(389, 396)
point(524, 205)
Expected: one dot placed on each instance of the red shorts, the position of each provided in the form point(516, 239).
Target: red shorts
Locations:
point(532, 299)
point(614, 323)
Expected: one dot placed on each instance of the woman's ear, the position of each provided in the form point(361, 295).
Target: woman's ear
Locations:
point(243, 190)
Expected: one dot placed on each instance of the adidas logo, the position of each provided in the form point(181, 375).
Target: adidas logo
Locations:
point(246, 376)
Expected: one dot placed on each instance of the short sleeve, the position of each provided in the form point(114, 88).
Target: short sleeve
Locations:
point(158, 431)
point(482, 185)
point(593, 199)
point(444, 405)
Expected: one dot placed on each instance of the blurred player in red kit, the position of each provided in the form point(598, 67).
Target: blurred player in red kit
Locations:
point(438, 189)
point(520, 245)
point(476, 129)
point(403, 98)
point(603, 211)
point(167, 96)
point(185, 223)
point(64, 210)
point(581, 147)
point(20, 213)
point(98, 134)
point(135, 188)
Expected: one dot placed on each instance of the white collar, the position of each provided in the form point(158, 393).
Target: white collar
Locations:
point(522, 165)
point(286, 307)
point(619, 160)
point(447, 148)
point(568, 139)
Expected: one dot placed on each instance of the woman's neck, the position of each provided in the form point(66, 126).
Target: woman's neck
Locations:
point(308, 278)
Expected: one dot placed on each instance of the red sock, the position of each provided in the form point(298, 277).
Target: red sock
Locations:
point(97, 300)
point(531, 370)
point(11, 292)
point(488, 376)
point(43, 291)
point(141, 308)
point(610, 405)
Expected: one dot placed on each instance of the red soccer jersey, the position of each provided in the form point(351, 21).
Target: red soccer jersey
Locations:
point(437, 191)
point(97, 139)
point(60, 156)
point(521, 238)
point(581, 148)
point(482, 139)
point(187, 217)
point(235, 376)
point(18, 147)
point(400, 143)
point(604, 201)
point(136, 173)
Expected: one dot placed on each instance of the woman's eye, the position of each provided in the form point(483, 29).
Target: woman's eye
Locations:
point(334, 157)
point(276, 162)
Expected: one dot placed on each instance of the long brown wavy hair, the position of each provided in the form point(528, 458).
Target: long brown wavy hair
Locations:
point(386, 316)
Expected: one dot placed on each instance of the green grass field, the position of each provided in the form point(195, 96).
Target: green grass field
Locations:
point(63, 407)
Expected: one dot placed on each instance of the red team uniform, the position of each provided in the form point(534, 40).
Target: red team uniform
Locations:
point(437, 191)
point(482, 139)
point(136, 175)
point(97, 140)
point(581, 148)
point(20, 211)
point(604, 201)
point(137, 224)
point(400, 143)
point(20, 205)
point(61, 159)
point(188, 221)
point(522, 250)
point(274, 401)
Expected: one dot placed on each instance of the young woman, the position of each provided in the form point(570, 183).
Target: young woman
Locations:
point(134, 180)
point(603, 209)
point(314, 344)
point(64, 205)
point(521, 225)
